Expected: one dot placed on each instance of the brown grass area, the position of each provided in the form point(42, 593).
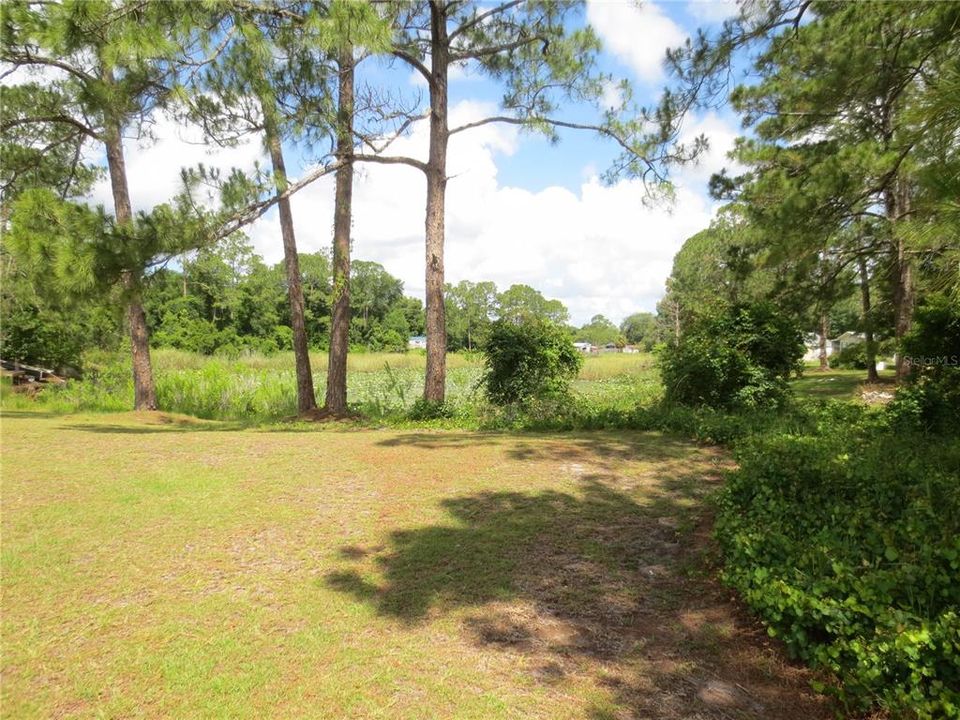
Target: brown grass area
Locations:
point(156, 567)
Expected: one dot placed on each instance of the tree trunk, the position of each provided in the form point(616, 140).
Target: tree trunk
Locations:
point(436, 331)
point(872, 376)
point(306, 400)
point(336, 400)
point(144, 391)
point(897, 205)
point(824, 331)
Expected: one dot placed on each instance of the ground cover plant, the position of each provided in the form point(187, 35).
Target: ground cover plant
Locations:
point(157, 565)
point(845, 539)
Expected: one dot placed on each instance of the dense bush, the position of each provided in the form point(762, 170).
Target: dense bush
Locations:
point(741, 358)
point(931, 400)
point(526, 359)
point(852, 357)
point(845, 539)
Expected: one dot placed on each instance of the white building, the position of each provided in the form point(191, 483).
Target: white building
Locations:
point(834, 346)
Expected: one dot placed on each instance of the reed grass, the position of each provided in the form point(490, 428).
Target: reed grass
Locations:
point(258, 388)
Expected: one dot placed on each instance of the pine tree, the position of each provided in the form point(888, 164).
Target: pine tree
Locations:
point(107, 69)
point(283, 71)
point(838, 135)
point(544, 64)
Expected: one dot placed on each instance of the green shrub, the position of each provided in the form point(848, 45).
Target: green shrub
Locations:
point(423, 409)
point(741, 358)
point(931, 400)
point(845, 539)
point(852, 357)
point(531, 358)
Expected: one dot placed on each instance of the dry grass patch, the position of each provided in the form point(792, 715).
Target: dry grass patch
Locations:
point(159, 567)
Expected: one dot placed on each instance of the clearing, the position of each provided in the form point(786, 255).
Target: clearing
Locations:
point(161, 566)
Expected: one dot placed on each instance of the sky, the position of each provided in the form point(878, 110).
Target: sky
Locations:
point(519, 209)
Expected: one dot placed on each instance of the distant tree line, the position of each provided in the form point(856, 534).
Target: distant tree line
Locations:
point(225, 299)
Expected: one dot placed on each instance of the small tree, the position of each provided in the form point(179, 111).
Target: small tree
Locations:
point(528, 359)
point(739, 358)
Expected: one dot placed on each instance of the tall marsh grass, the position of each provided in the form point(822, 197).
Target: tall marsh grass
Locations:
point(610, 365)
point(170, 359)
point(258, 388)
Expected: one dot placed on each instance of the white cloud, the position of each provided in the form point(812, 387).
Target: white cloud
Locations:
point(637, 34)
point(598, 249)
point(153, 167)
point(711, 11)
point(24, 74)
point(722, 137)
point(611, 97)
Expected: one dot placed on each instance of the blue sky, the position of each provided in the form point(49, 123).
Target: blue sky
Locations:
point(519, 210)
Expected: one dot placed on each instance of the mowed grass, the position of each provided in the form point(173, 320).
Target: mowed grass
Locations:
point(836, 384)
point(160, 566)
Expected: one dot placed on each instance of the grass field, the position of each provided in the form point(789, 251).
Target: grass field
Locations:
point(839, 384)
point(159, 566)
point(258, 388)
point(382, 387)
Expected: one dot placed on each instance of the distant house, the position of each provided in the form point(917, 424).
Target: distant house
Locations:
point(848, 339)
point(834, 346)
point(609, 348)
point(631, 349)
point(417, 342)
point(584, 347)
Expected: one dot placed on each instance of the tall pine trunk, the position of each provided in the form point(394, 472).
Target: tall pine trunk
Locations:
point(865, 304)
point(306, 400)
point(336, 400)
point(436, 330)
point(144, 391)
point(897, 205)
point(824, 331)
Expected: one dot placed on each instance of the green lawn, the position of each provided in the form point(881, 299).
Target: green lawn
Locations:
point(158, 566)
point(838, 384)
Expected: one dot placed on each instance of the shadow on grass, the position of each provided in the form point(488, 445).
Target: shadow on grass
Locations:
point(113, 429)
point(29, 414)
point(161, 423)
point(599, 448)
point(592, 583)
